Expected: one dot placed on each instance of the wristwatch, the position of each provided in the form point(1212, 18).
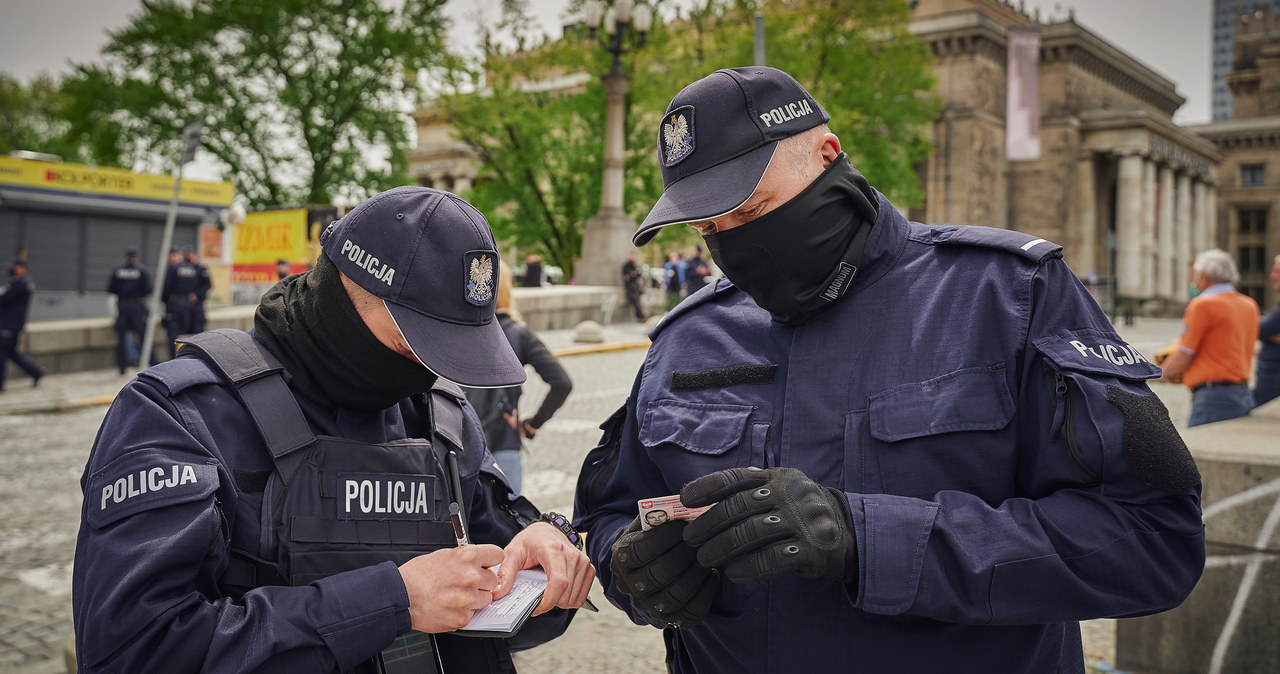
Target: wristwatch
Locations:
point(562, 523)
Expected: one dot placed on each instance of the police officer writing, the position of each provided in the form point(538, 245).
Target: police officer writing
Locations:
point(924, 449)
point(131, 284)
point(279, 501)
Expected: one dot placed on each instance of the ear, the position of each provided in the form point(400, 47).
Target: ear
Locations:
point(829, 148)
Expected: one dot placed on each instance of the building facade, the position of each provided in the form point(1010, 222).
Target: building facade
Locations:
point(1226, 13)
point(1248, 206)
point(1128, 193)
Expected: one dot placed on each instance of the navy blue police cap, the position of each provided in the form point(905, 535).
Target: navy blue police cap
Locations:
point(130, 251)
point(717, 138)
point(430, 257)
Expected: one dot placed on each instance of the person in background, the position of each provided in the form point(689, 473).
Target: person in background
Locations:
point(198, 317)
point(1266, 384)
point(674, 280)
point(15, 300)
point(499, 408)
point(1219, 330)
point(283, 268)
point(131, 284)
point(532, 272)
point(631, 283)
point(695, 272)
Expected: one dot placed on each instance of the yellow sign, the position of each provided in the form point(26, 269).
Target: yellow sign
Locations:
point(112, 181)
point(263, 239)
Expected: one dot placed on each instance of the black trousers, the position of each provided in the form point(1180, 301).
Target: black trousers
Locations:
point(9, 352)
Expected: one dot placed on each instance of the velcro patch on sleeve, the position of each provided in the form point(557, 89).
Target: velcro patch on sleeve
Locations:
point(1096, 351)
point(1154, 450)
point(724, 377)
point(145, 480)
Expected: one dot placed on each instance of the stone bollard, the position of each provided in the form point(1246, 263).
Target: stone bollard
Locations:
point(69, 653)
point(588, 332)
point(1229, 623)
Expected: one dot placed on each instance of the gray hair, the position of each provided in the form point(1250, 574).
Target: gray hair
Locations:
point(793, 151)
point(1217, 265)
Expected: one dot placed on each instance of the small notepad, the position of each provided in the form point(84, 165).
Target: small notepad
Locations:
point(505, 617)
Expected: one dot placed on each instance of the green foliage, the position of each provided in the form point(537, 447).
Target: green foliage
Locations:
point(543, 180)
point(32, 118)
point(296, 93)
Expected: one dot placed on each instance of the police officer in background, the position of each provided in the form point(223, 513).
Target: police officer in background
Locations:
point(923, 448)
point(203, 284)
point(131, 284)
point(279, 501)
point(15, 301)
point(182, 283)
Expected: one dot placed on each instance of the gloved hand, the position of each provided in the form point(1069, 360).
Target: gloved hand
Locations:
point(662, 574)
point(770, 522)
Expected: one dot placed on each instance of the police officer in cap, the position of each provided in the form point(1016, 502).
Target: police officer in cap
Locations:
point(201, 290)
point(176, 306)
point(15, 300)
point(280, 500)
point(922, 448)
point(131, 284)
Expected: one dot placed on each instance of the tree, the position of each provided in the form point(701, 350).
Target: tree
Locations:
point(305, 99)
point(541, 180)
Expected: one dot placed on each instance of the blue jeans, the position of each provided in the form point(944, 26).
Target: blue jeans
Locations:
point(1268, 384)
point(1219, 404)
point(509, 461)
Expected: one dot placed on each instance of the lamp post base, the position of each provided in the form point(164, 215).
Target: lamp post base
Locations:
point(605, 244)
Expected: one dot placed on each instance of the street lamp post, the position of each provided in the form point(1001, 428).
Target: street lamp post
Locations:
point(607, 238)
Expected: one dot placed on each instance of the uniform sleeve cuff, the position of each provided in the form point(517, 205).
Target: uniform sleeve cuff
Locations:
point(372, 607)
point(892, 534)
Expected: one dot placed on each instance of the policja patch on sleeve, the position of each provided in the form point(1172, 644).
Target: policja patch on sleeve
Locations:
point(145, 480)
point(1154, 450)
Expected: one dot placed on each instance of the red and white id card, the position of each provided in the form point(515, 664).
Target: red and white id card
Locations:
point(655, 511)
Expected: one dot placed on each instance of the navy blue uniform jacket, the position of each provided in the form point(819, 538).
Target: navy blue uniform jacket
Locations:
point(994, 436)
point(145, 592)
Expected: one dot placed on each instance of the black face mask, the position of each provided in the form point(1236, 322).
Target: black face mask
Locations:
point(797, 260)
point(309, 323)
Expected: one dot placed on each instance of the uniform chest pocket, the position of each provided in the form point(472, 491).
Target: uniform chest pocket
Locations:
point(924, 437)
point(689, 440)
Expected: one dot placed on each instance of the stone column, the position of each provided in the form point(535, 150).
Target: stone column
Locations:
point(1206, 234)
point(1128, 269)
point(462, 183)
point(1085, 258)
point(1165, 236)
point(1186, 229)
point(1148, 236)
point(607, 237)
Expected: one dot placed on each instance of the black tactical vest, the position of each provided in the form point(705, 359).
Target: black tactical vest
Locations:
point(335, 505)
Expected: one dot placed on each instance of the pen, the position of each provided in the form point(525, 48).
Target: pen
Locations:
point(455, 504)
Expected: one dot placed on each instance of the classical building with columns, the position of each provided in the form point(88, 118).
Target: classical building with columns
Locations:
point(1248, 205)
point(1128, 193)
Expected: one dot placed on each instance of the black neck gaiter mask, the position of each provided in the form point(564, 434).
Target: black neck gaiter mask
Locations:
point(797, 260)
point(310, 324)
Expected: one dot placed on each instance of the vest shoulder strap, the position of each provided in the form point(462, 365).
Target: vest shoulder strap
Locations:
point(446, 412)
point(256, 377)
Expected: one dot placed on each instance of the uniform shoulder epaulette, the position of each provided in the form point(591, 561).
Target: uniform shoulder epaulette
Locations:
point(702, 296)
point(1020, 243)
point(180, 374)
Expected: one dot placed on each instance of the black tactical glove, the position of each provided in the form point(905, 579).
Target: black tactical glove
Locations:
point(662, 575)
point(770, 522)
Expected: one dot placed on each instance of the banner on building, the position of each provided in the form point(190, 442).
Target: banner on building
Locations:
point(62, 176)
point(1022, 113)
point(263, 239)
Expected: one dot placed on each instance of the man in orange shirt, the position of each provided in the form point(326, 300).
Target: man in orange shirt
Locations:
point(1214, 353)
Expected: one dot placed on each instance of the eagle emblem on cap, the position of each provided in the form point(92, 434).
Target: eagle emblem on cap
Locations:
point(677, 136)
point(480, 281)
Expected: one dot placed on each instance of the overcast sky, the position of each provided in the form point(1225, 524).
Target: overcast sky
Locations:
point(1170, 36)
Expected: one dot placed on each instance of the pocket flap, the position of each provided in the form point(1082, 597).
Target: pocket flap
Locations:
point(1096, 351)
point(971, 399)
point(698, 427)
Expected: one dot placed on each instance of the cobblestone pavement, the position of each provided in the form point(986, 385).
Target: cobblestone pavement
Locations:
point(42, 456)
